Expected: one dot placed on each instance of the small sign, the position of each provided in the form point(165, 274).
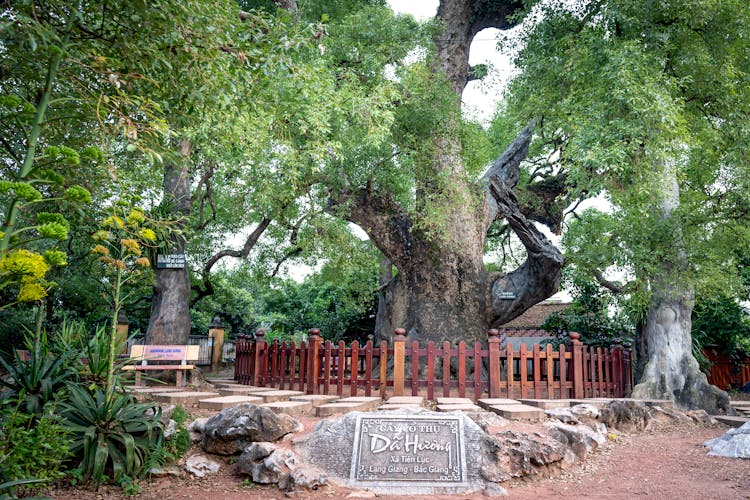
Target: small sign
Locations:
point(170, 261)
point(506, 296)
point(417, 450)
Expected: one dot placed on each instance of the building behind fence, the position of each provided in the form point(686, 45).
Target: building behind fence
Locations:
point(492, 369)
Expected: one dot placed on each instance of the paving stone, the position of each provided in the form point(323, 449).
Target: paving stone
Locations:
point(732, 421)
point(337, 408)
point(518, 412)
point(292, 408)
point(234, 391)
point(546, 404)
point(399, 406)
point(213, 380)
point(258, 390)
point(457, 407)
point(276, 395)
point(598, 403)
point(315, 399)
point(222, 402)
point(408, 400)
point(184, 397)
point(454, 401)
point(369, 402)
point(487, 402)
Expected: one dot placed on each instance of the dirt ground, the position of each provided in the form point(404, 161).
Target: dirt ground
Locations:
point(669, 463)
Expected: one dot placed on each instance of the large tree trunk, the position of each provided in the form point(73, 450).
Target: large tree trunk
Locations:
point(669, 370)
point(443, 290)
point(170, 303)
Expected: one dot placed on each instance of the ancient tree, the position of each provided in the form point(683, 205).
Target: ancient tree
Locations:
point(442, 289)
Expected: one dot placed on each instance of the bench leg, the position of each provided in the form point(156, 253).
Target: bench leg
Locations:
point(179, 382)
point(137, 378)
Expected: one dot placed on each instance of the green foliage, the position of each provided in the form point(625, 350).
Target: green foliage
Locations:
point(644, 98)
point(589, 315)
point(39, 380)
point(721, 322)
point(31, 446)
point(113, 436)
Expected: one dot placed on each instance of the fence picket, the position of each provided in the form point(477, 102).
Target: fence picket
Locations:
point(316, 366)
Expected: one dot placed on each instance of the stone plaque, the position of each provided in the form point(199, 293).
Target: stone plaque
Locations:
point(417, 450)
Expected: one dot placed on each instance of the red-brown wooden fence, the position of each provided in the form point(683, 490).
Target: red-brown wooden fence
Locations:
point(726, 373)
point(435, 369)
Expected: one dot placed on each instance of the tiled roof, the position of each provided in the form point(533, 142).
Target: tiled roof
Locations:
point(535, 316)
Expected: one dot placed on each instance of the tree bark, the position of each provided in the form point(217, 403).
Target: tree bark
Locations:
point(170, 304)
point(669, 369)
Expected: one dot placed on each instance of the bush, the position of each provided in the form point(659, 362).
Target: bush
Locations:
point(31, 446)
point(114, 437)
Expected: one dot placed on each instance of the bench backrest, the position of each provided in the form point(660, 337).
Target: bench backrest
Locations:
point(182, 353)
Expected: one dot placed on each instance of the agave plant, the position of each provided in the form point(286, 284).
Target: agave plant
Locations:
point(113, 436)
point(37, 380)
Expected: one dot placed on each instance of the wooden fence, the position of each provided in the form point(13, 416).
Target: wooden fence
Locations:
point(726, 373)
point(435, 369)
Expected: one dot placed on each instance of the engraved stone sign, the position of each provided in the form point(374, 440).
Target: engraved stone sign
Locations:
point(418, 450)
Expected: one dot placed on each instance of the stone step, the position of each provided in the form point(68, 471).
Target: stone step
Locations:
point(732, 421)
point(454, 401)
point(518, 412)
point(293, 408)
point(315, 399)
point(457, 407)
point(276, 395)
point(367, 402)
point(598, 403)
point(184, 397)
point(234, 391)
point(221, 402)
point(405, 400)
point(547, 404)
point(399, 406)
point(215, 380)
point(740, 404)
point(328, 409)
point(487, 402)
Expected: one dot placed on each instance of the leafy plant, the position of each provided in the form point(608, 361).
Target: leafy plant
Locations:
point(37, 380)
point(31, 446)
point(112, 434)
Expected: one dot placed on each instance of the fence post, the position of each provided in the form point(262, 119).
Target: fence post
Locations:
point(493, 347)
point(399, 358)
point(627, 361)
point(260, 352)
point(617, 375)
point(216, 336)
point(313, 361)
point(239, 358)
point(577, 348)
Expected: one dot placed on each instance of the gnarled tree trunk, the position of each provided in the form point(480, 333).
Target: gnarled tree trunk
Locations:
point(669, 370)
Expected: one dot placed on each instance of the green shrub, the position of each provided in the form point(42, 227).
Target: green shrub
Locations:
point(37, 381)
point(31, 446)
point(113, 436)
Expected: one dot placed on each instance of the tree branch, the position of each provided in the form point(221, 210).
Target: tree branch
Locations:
point(538, 277)
point(507, 168)
point(250, 242)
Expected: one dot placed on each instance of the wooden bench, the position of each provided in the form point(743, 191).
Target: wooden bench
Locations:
point(152, 358)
